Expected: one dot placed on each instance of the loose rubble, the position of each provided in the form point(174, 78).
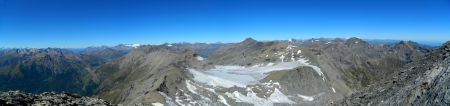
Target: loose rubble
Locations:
point(18, 98)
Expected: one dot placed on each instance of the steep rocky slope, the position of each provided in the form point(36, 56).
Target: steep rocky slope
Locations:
point(424, 82)
point(143, 73)
point(358, 63)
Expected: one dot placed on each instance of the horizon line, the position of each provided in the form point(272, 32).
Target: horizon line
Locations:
point(436, 42)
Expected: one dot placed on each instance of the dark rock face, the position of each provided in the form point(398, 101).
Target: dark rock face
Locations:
point(17, 98)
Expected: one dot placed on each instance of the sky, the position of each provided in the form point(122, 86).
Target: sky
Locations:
point(82, 23)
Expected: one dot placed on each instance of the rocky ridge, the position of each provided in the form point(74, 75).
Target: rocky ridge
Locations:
point(423, 83)
point(18, 98)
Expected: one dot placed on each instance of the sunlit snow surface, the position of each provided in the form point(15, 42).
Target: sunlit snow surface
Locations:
point(157, 104)
point(306, 98)
point(229, 76)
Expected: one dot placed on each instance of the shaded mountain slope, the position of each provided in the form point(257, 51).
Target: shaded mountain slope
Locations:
point(38, 70)
point(143, 73)
point(50, 69)
point(423, 82)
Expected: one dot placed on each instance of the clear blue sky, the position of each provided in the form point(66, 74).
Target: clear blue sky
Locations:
point(81, 23)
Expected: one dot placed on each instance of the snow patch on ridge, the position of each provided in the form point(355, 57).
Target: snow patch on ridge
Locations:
point(223, 100)
point(278, 97)
point(157, 104)
point(334, 91)
point(133, 45)
point(168, 99)
point(317, 69)
point(282, 58)
point(306, 98)
point(190, 87)
point(200, 58)
point(250, 97)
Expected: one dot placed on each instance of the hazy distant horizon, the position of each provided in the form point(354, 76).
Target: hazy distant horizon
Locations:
point(423, 42)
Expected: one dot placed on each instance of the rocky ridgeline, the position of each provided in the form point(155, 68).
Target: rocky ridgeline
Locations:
point(18, 98)
point(425, 82)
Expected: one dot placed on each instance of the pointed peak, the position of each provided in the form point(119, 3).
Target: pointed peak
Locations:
point(249, 41)
point(354, 38)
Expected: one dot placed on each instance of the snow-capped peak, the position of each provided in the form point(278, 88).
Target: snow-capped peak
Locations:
point(133, 45)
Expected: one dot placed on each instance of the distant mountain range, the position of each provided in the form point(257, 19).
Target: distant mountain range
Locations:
point(320, 71)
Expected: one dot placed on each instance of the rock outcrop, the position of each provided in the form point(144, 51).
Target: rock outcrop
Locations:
point(18, 98)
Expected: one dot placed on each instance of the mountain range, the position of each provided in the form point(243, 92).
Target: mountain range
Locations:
point(312, 72)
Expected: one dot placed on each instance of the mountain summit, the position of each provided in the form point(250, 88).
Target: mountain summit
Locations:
point(248, 41)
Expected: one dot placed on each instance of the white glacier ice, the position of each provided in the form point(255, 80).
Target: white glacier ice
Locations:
point(229, 76)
